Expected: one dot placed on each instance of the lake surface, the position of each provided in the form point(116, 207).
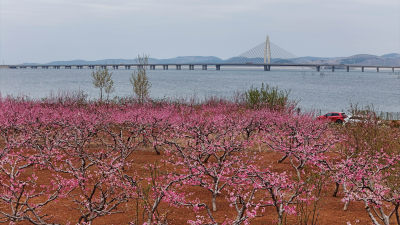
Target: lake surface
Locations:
point(321, 91)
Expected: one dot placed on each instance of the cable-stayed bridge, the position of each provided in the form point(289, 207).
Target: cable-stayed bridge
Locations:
point(265, 55)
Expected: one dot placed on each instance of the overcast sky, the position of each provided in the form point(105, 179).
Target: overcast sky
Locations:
point(48, 30)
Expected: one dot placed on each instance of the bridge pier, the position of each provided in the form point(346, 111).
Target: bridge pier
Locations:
point(91, 67)
point(333, 68)
point(178, 67)
point(267, 68)
point(115, 67)
point(152, 67)
point(362, 69)
point(377, 69)
point(127, 67)
point(348, 68)
point(191, 67)
point(68, 67)
point(318, 68)
point(165, 67)
point(218, 67)
point(204, 67)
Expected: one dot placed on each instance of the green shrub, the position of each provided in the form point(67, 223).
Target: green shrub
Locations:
point(267, 96)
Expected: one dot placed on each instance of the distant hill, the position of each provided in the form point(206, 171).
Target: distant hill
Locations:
point(180, 59)
point(364, 59)
point(188, 59)
point(391, 55)
point(392, 59)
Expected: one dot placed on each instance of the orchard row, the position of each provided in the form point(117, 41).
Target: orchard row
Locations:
point(88, 153)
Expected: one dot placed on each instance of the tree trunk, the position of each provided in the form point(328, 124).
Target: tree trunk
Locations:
point(374, 221)
point(150, 218)
point(214, 203)
point(280, 214)
point(346, 205)
point(240, 216)
point(157, 151)
point(386, 219)
point(298, 173)
point(336, 189)
point(282, 159)
point(280, 219)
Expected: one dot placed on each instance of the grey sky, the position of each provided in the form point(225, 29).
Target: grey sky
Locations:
point(49, 30)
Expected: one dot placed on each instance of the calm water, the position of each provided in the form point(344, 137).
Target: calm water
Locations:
point(324, 91)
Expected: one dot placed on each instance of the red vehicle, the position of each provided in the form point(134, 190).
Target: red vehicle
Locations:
point(337, 117)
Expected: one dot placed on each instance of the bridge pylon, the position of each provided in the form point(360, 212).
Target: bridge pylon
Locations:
point(267, 51)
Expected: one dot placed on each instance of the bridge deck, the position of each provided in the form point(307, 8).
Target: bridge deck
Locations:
point(203, 65)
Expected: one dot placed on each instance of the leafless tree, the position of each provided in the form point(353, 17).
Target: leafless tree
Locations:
point(139, 80)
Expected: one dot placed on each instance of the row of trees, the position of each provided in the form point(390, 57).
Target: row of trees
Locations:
point(86, 157)
point(102, 79)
